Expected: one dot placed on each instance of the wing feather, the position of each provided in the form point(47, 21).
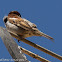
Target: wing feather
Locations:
point(22, 23)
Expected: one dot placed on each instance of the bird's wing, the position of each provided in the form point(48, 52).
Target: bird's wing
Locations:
point(22, 23)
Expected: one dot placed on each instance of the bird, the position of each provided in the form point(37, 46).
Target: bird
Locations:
point(15, 24)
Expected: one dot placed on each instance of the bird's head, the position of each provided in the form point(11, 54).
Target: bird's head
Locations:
point(15, 13)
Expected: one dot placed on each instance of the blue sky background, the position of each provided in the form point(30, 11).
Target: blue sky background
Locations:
point(46, 14)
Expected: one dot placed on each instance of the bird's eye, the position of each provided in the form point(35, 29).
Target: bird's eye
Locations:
point(5, 20)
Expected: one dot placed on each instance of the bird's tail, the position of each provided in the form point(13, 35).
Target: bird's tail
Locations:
point(47, 36)
point(44, 35)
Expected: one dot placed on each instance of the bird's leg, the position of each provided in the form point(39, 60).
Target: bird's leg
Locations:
point(19, 41)
point(21, 37)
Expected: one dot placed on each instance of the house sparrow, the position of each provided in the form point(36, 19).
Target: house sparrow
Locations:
point(22, 27)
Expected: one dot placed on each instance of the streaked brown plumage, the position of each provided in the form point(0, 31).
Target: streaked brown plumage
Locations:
point(20, 26)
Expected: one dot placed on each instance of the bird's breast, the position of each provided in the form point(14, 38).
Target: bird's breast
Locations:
point(17, 30)
point(13, 28)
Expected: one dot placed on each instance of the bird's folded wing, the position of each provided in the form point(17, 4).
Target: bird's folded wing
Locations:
point(22, 23)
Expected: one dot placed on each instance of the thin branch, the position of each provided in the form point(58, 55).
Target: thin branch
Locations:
point(33, 55)
point(12, 46)
point(38, 47)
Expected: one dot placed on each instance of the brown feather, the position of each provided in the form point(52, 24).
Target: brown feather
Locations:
point(18, 21)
